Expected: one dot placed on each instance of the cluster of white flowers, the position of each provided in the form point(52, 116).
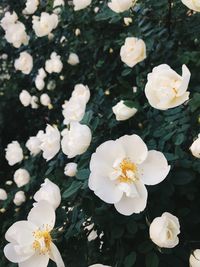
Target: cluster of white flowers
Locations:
point(26, 99)
point(15, 31)
point(39, 80)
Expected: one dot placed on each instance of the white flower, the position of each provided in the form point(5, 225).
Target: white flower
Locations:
point(121, 168)
point(192, 4)
point(81, 92)
point(34, 102)
point(195, 258)
point(164, 230)
point(54, 64)
point(24, 63)
point(16, 34)
point(70, 169)
point(8, 19)
point(49, 192)
point(73, 59)
point(165, 88)
point(31, 7)
point(44, 24)
point(122, 112)
point(77, 32)
point(195, 147)
point(14, 153)
point(73, 110)
point(21, 177)
point(33, 145)
point(76, 140)
point(39, 80)
point(128, 21)
point(119, 6)
point(19, 198)
point(3, 194)
point(81, 4)
point(58, 4)
point(45, 100)
point(31, 243)
point(25, 98)
point(133, 51)
point(50, 142)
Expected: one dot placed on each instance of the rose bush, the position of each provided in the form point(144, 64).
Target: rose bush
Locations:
point(74, 75)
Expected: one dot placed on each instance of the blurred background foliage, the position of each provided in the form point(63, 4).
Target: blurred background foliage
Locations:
point(172, 35)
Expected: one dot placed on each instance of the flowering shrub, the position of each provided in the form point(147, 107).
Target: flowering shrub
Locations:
point(100, 133)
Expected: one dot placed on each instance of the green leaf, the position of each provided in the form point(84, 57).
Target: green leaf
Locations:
point(83, 174)
point(74, 187)
point(183, 177)
point(130, 260)
point(145, 247)
point(152, 260)
point(195, 102)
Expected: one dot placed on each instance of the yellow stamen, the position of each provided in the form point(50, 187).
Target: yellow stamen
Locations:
point(127, 166)
point(42, 242)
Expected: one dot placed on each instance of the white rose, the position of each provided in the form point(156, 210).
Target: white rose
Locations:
point(31, 240)
point(49, 192)
point(16, 34)
point(165, 88)
point(33, 145)
point(34, 102)
point(119, 6)
point(25, 98)
point(122, 112)
point(164, 230)
point(8, 19)
point(24, 63)
point(50, 142)
point(195, 258)
point(133, 51)
point(14, 153)
point(44, 24)
point(3, 194)
point(81, 92)
point(81, 4)
point(21, 177)
point(19, 198)
point(195, 147)
point(192, 4)
point(54, 64)
point(76, 140)
point(73, 110)
point(56, 6)
point(73, 59)
point(70, 169)
point(121, 168)
point(45, 100)
point(31, 7)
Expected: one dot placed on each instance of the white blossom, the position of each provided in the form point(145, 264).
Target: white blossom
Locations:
point(121, 168)
point(33, 144)
point(25, 98)
point(73, 59)
point(19, 198)
point(54, 64)
point(3, 194)
point(195, 147)
point(45, 100)
point(122, 112)
point(195, 258)
point(21, 177)
point(31, 7)
point(192, 4)
point(24, 63)
point(81, 4)
point(70, 169)
point(14, 153)
point(119, 6)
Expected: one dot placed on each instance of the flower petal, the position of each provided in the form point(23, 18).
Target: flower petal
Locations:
point(20, 233)
point(134, 147)
point(42, 214)
point(56, 256)
point(104, 188)
point(103, 159)
point(37, 260)
point(16, 253)
point(154, 169)
point(185, 80)
point(129, 205)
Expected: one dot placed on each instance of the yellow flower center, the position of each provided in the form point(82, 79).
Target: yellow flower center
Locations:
point(42, 242)
point(128, 172)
